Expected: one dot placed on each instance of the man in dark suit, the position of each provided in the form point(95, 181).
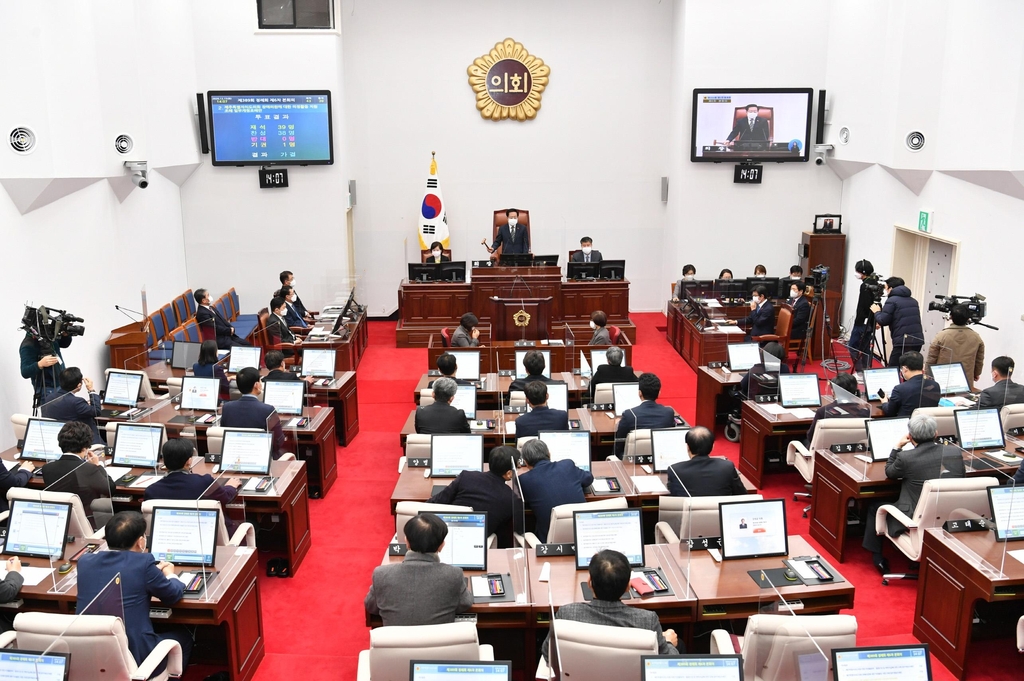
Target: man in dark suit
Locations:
point(141, 579)
point(534, 364)
point(648, 414)
point(513, 237)
point(703, 475)
point(801, 310)
point(292, 316)
point(916, 390)
point(275, 362)
point(764, 380)
point(67, 404)
point(207, 317)
point(80, 471)
point(1005, 391)
point(437, 254)
point(750, 128)
point(181, 484)
point(440, 416)
point(846, 405)
point(277, 326)
point(928, 460)
point(248, 412)
point(448, 365)
point(612, 372)
point(487, 491)
point(550, 483)
point(587, 252)
point(288, 279)
point(541, 417)
point(13, 477)
point(761, 320)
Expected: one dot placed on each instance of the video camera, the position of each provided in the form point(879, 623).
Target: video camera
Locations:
point(876, 286)
point(976, 306)
point(819, 278)
point(46, 325)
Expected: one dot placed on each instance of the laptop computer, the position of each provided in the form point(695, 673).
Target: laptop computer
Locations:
point(16, 665)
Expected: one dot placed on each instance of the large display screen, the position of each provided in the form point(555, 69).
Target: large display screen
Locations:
point(753, 124)
point(271, 127)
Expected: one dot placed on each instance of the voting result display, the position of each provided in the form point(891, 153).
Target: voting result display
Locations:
point(753, 529)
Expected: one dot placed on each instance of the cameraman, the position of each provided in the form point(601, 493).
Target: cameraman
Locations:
point(959, 343)
point(860, 335)
point(41, 363)
point(902, 314)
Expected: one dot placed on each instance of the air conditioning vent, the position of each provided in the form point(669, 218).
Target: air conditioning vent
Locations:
point(844, 135)
point(23, 140)
point(915, 140)
point(124, 144)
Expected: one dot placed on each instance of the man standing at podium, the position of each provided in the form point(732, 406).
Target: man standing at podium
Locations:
point(513, 237)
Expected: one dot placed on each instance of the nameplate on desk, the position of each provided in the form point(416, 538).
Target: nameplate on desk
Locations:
point(848, 448)
point(514, 410)
point(948, 440)
point(1016, 431)
point(483, 263)
point(504, 372)
point(716, 365)
point(601, 407)
point(639, 459)
point(397, 549)
point(967, 525)
point(556, 550)
point(764, 399)
point(700, 543)
point(433, 372)
point(420, 462)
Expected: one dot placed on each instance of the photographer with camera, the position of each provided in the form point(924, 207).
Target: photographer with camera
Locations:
point(863, 321)
point(959, 343)
point(902, 314)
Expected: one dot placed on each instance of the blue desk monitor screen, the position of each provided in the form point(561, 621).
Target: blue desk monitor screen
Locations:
point(950, 377)
point(906, 663)
point(742, 356)
point(244, 451)
point(122, 388)
point(200, 393)
point(284, 396)
point(880, 379)
point(467, 364)
point(1007, 506)
point(691, 668)
point(37, 529)
point(16, 665)
point(452, 454)
point(799, 390)
point(568, 444)
point(184, 536)
point(465, 399)
point(753, 529)
point(41, 440)
point(242, 357)
point(466, 543)
point(318, 363)
point(979, 429)
point(595, 531)
point(184, 354)
point(138, 444)
point(521, 370)
point(460, 671)
point(268, 127)
point(669, 447)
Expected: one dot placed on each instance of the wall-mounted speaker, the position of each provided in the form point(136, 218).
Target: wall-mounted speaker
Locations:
point(22, 140)
point(819, 138)
point(204, 139)
point(664, 190)
point(124, 143)
point(352, 192)
point(915, 140)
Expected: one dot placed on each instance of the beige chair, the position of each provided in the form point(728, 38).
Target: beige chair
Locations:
point(1012, 416)
point(638, 443)
point(941, 499)
point(772, 645)
point(827, 432)
point(1020, 635)
point(417, 446)
point(19, 422)
point(517, 398)
point(523, 440)
point(145, 390)
point(698, 514)
point(407, 510)
point(245, 534)
point(393, 648)
point(596, 652)
point(943, 419)
point(79, 525)
point(173, 386)
point(560, 529)
point(426, 396)
point(603, 393)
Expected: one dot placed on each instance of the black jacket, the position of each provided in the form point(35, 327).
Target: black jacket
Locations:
point(801, 316)
point(704, 476)
point(541, 418)
point(741, 131)
point(72, 474)
point(580, 256)
point(440, 418)
point(208, 316)
point(483, 491)
point(510, 245)
point(760, 321)
point(902, 315)
point(520, 383)
point(1002, 393)
point(65, 406)
point(647, 414)
point(909, 395)
point(865, 300)
point(606, 373)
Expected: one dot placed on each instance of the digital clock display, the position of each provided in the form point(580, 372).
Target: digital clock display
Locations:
point(747, 174)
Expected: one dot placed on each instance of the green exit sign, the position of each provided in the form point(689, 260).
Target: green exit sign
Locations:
point(924, 221)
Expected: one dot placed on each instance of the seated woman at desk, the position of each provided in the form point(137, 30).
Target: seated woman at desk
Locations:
point(598, 320)
point(466, 334)
point(726, 273)
point(760, 271)
point(207, 367)
point(766, 374)
point(436, 254)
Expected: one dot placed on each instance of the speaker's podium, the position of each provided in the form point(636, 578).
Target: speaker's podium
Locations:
point(515, 319)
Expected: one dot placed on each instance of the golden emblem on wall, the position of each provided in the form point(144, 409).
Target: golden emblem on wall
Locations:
point(508, 81)
point(521, 318)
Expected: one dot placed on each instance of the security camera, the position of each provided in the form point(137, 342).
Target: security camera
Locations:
point(139, 179)
point(140, 173)
point(819, 153)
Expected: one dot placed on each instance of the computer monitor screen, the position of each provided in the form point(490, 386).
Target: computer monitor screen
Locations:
point(905, 663)
point(122, 388)
point(799, 390)
point(245, 451)
point(568, 444)
point(613, 269)
point(753, 529)
point(41, 439)
point(558, 396)
point(669, 447)
point(521, 370)
point(582, 270)
point(770, 283)
point(424, 271)
point(979, 428)
point(747, 124)
point(199, 393)
point(598, 358)
point(691, 668)
point(452, 454)
point(284, 396)
point(243, 134)
point(318, 363)
point(242, 357)
point(184, 354)
point(460, 671)
point(184, 536)
point(625, 396)
point(596, 531)
point(950, 377)
point(452, 271)
point(467, 364)
point(883, 434)
point(742, 356)
point(16, 665)
point(465, 399)
point(466, 543)
point(138, 444)
point(1007, 506)
point(880, 379)
point(37, 529)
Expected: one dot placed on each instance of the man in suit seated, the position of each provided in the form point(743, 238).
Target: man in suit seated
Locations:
point(277, 327)
point(249, 412)
point(647, 414)
point(292, 316)
point(761, 320)
point(448, 365)
point(141, 579)
point(288, 279)
point(587, 252)
point(80, 471)
point(71, 403)
point(437, 254)
point(766, 375)
point(927, 460)
point(440, 416)
point(466, 335)
point(181, 484)
point(1005, 391)
point(275, 370)
point(550, 483)
point(612, 372)
point(487, 491)
point(534, 364)
point(703, 475)
point(801, 310)
point(844, 406)
point(421, 589)
point(751, 128)
point(207, 317)
point(916, 390)
point(609, 578)
point(512, 237)
point(541, 417)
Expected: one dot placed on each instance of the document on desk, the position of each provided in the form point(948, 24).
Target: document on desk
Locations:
point(144, 481)
point(802, 413)
point(1018, 554)
point(729, 329)
point(11, 465)
point(773, 408)
point(480, 587)
point(648, 484)
point(712, 302)
point(117, 472)
point(32, 575)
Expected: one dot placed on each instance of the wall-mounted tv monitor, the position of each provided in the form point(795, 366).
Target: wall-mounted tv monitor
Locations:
point(752, 124)
point(270, 127)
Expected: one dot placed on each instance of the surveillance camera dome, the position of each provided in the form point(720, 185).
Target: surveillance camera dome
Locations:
point(819, 160)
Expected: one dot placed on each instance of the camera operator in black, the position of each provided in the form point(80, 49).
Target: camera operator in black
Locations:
point(41, 363)
point(864, 319)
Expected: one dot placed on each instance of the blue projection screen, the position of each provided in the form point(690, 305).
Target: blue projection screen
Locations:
point(266, 127)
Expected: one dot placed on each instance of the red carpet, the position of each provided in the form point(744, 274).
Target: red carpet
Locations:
point(314, 622)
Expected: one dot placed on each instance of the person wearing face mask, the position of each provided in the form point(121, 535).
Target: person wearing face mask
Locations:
point(1004, 391)
point(761, 320)
point(801, 310)
point(277, 327)
point(725, 274)
point(512, 238)
point(902, 314)
point(291, 313)
point(689, 274)
point(916, 390)
point(760, 271)
point(601, 336)
point(587, 252)
point(750, 128)
point(288, 279)
point(437, 254)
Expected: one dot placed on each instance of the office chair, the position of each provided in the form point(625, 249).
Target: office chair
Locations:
point(560, 529)
point(638, 443)
point(682, 518)
point(500, 219)
point(603, 393)
point(1012, 416)
point(1020, 635)
point(393, 648)
point(597, 652)
point(783, 327)
point(827, 432)
point(19, 422)
point(446, 337)
point(245, 533)
point(614, 333)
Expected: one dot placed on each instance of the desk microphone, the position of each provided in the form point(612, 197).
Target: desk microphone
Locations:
point(125, 311)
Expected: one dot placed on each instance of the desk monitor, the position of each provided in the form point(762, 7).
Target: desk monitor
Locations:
point(668, 445)
point(466, 543)
point(691, 668)
point(184, 536)
point(424, 271)
point(200, 393)
point(881, 663)
point(545, 261)
point(467, 364)
point(318, 363)
point(753, 529)
point(284, 396)
point(698, 288)
point(950, 377)
point(568, 444)
point(880, 379)
point(618, 529)
point(339, 326)
point(37, 529)
point(521, 370)
point(350, 302)
point(742, 356)
point(246, 451)
point(432, 670)
point(777, 288)
point(1007, 506)
point(799, 390)
point(515, 259)
point(625, 396)
point(242, 357)
point(122, 388)
point(16, 665)
point(599, 358)
point(184, 354)
point(731, 288)
point(613, 269)
point(41, 439)
point(979, 429)
point(558, 396)
point(465, 399)
point(883, 434)
point(452, 271)
point(452, 454)
point(582, 270)
point(137, 445)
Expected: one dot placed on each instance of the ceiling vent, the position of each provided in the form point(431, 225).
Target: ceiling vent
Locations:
point(915, 140)
point(22, 140)
point(124, 144)
point(844, 135)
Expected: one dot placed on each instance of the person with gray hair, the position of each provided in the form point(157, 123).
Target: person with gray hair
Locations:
point(613, 371)
point(550, 483)
point(440, 416)
point(926, 460)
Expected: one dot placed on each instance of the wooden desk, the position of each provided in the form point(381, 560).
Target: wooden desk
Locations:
point(698, 347)
point(501, 355)
point(348, 351)
point(497, 435)
point(712, 386)
point(493, 389)
point(758, 428)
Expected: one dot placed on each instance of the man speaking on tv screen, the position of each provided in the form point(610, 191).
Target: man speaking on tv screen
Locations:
point(753, 128)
